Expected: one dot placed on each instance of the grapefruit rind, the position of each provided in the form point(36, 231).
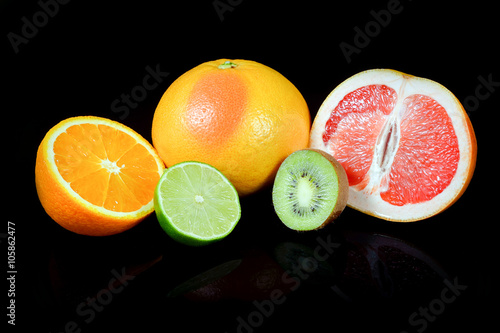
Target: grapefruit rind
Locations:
point(405, 85)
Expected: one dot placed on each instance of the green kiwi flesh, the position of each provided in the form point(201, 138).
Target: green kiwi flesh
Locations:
point(310, 190)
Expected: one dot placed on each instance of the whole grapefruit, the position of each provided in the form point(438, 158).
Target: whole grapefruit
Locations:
point(240, 116)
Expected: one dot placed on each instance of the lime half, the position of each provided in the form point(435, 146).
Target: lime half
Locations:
point(196, 204)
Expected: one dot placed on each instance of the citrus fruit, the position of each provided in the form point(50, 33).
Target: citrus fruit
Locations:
point(310, 190)
point(196, 204)
point(95, 176)
point(406, 143)
point(239, 116)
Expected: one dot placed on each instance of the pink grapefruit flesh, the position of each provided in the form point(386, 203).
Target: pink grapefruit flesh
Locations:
point(406, 143)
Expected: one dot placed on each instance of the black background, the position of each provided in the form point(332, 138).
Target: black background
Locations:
point(89, 53)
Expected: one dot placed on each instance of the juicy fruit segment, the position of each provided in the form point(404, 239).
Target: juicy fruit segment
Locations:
point(118, 177)
point(95, 176)
point(408, 160)
point(240, 116)
point(196, 204)
point(427, 156)
point(310, 190)
point(370, 99)
point(402, 140)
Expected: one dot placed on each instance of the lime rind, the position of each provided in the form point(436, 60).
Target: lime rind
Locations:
point(196, 204)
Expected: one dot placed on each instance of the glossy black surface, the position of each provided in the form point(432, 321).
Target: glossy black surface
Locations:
point(359, 274)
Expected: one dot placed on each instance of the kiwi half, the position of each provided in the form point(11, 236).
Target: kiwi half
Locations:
point(310, 190)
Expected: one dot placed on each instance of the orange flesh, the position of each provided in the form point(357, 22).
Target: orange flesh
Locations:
point(426, 155)
point(106, 167)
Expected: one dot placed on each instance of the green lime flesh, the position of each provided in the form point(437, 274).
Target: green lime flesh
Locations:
point(305, 190)
point(196, 204)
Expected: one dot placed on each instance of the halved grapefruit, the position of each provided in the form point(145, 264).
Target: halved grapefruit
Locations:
point(406, 143)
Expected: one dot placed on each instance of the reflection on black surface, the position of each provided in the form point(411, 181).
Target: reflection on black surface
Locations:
point(350, 274)
point(358, 275)
point(382, 268)
point(364, 268)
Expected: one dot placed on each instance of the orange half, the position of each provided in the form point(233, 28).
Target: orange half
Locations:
point(95, 176)
point(406, 143)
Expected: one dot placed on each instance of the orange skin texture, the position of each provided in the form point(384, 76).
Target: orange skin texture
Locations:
point(243, 120)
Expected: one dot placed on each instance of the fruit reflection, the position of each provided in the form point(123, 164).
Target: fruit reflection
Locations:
point(379, 267)
point(362, 269)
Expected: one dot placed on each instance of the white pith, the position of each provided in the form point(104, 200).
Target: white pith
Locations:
point(111, 166)
point(368, 199)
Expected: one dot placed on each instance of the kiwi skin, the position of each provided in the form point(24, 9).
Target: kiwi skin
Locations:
point(343, 194)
